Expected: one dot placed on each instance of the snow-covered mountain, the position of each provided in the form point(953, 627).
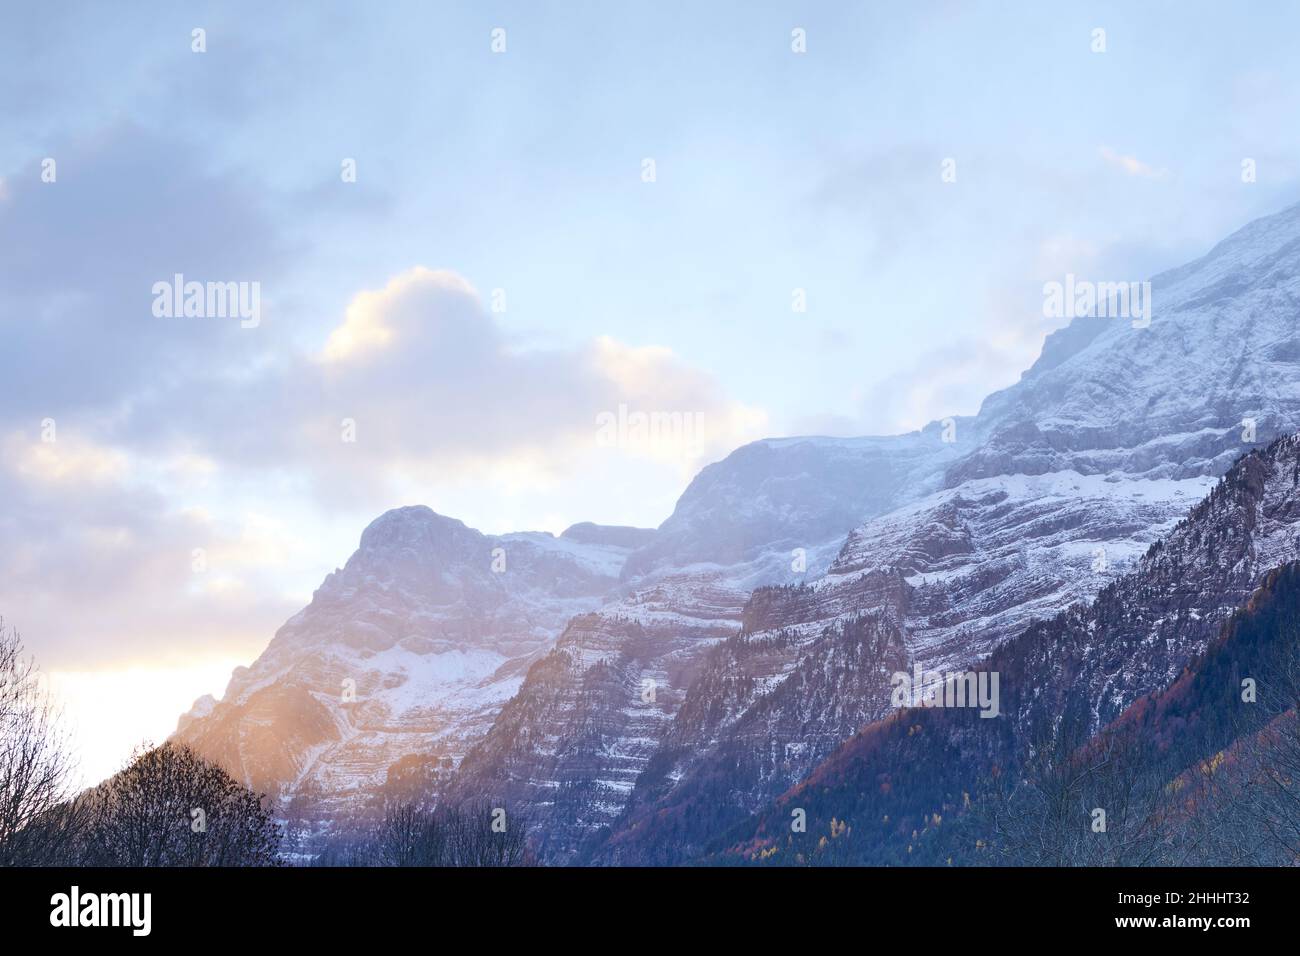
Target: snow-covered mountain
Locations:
point(606, 673)
point(409, 649)
point(1050, 492)
point(1128, 658)
point(435, 641)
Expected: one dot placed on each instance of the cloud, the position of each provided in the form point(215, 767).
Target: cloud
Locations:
point(96, 566)
point(429, 376)
point(890, 195)
point(1131, 164)
point(82, 253)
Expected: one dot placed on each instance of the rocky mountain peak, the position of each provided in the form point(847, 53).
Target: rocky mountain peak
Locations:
point(418, 528)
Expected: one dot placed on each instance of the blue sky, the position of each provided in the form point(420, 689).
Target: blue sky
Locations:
point(521, 172)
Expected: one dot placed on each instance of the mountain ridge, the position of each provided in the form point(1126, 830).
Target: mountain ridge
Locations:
point(1056, 486)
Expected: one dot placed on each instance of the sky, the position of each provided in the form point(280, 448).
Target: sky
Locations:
point(475, 228)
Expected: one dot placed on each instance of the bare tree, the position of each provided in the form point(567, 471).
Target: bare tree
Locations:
point(412, 834)
point(1107, 800)
point(1256, 782)
point(36, 825)
point(170, 807)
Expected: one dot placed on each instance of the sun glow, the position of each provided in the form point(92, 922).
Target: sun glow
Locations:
point(103, 708)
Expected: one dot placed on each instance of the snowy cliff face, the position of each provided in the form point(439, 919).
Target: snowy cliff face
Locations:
point(410, 649)
point(770, 497)
point(1167, 400)
point(567, 750)
point(939, 583)
point(1088, 663)
point(1086, 668)
point(1052, 492)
